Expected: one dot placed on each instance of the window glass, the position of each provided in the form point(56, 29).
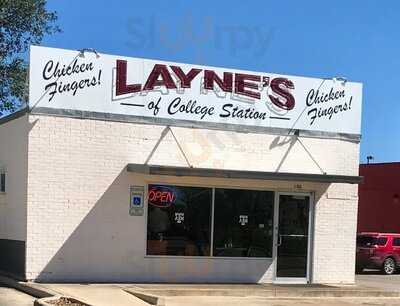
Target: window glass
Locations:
point(2, 182)
point(179, 220)
point(381, 241)
point(369, 241)
point(396, 241)
point(243, 223)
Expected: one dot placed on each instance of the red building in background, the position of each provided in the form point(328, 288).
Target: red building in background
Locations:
point(379, 198)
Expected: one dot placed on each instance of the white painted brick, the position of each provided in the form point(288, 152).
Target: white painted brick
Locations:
point(78, 225)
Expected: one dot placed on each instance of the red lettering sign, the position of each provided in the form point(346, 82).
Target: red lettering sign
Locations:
point(242, 84)
point(161, 196)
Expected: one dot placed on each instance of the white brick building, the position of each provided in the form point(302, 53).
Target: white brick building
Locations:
point(213, 204)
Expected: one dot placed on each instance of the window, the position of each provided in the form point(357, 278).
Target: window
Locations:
point(381, 241)
point(2, 182)
point(179, 220)
point(369, 241)
point(396, 241)
point(243, 223)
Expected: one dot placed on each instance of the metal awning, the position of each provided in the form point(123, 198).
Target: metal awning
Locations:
point(238, 174)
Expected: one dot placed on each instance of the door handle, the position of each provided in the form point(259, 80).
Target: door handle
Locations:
point(299, 236)
point(279, 240)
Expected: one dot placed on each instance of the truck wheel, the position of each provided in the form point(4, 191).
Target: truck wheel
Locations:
point(359, 269)
point(389, 266)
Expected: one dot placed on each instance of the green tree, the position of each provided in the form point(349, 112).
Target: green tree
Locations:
point(22, 23)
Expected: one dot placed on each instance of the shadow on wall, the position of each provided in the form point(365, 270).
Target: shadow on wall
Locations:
point(13, 214)
point(109, 246)
point(277, 142)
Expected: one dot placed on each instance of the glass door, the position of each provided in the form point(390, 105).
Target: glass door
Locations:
point(293, 238)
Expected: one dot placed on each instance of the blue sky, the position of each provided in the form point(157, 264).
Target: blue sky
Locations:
point(355, 39)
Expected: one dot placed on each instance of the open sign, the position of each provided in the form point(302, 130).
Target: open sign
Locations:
point(161, 196)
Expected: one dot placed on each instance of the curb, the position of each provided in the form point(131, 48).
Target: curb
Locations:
point(372, 293)
point(148, 298)
point(43, 295)
point(151, 295)
point(47, 301)
point(43, 301)
point(27, 287)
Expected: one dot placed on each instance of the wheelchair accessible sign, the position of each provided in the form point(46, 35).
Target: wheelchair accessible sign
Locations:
point(136, 201)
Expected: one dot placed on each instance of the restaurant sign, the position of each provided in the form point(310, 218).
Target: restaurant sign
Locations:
point(183, 94)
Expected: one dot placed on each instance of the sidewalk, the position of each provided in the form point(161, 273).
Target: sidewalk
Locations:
point(93, 294)
point(96, 294)
point(207, 294)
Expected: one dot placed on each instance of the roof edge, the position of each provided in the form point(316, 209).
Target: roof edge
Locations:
point(378, 164)
point(90, 115)
point(14, 115)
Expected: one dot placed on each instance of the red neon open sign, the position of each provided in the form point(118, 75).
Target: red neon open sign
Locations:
point(161, 196)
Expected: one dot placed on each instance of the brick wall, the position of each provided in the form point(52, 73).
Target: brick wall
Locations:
point(335, 234)
point(14, 159)
point(78, 196)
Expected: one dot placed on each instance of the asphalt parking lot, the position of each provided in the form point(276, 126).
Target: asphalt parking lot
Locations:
point(12, 297)
point(374, 278)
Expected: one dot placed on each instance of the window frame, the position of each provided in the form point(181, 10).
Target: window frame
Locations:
point(212, 187)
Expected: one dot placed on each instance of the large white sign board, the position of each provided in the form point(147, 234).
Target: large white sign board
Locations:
point(182, 93)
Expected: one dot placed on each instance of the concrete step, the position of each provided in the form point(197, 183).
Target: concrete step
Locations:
point(279, 292)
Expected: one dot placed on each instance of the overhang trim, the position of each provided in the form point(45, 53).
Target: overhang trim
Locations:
point(239, 174)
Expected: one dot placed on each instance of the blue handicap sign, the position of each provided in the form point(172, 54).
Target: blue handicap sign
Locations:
point(137, 200)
